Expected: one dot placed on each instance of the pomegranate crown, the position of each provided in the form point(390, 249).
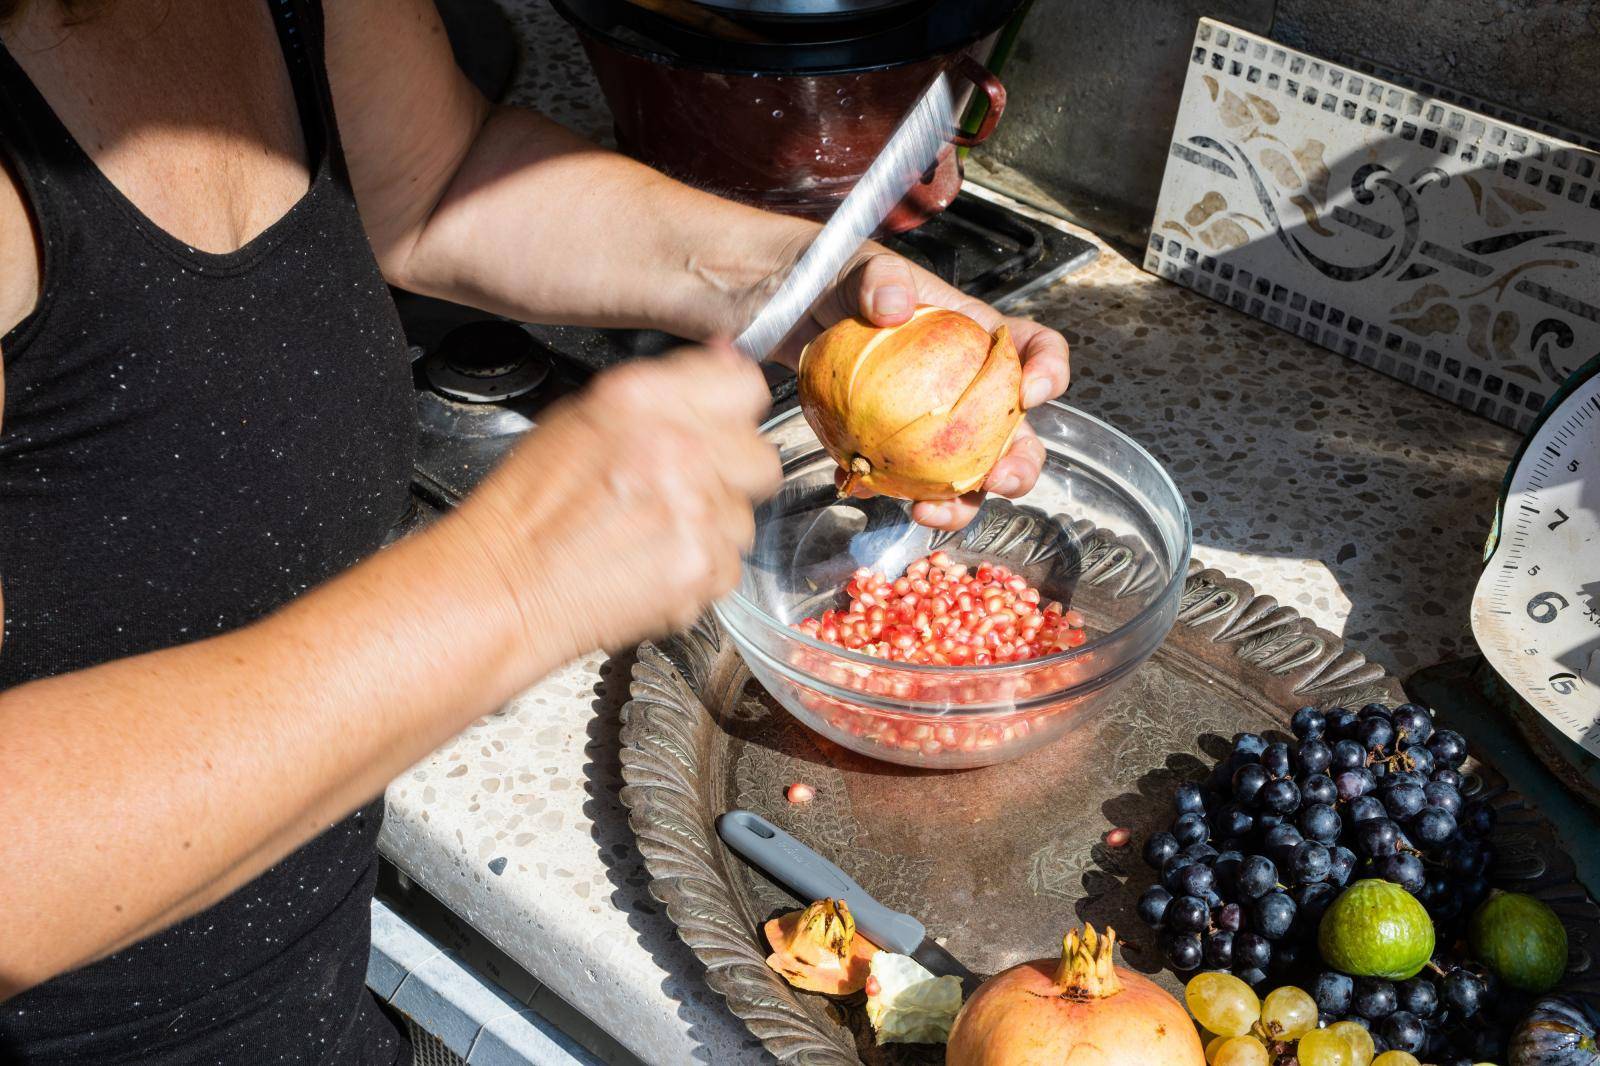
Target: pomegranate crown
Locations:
point(829, 924)
point(1088, 969)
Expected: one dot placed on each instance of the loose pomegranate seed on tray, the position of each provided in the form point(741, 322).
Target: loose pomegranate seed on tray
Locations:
point(945, 613)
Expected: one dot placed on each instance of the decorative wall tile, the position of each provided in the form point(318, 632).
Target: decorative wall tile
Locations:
point(1454, 250)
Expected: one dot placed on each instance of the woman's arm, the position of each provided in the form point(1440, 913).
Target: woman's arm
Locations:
point(503, 209)
point(139, 792)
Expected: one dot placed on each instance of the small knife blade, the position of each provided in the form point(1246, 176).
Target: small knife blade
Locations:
point(809, 876)
point(913, 148)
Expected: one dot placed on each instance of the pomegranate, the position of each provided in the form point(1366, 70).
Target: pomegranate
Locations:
point(817, 949)
point(922, 410)
point(1081, 1009)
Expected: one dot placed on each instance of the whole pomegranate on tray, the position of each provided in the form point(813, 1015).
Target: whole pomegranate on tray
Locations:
point(1080, 1009)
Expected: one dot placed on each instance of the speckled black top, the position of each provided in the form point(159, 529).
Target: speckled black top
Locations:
point(189, 441)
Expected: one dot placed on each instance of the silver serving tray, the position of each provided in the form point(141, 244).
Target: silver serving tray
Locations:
point(999, 861)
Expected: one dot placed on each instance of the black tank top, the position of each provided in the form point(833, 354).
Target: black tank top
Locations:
point(190, 440)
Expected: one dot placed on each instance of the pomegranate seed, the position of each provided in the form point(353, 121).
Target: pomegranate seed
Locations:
point(873, 987)
point(1118, 837)
point(800, 792)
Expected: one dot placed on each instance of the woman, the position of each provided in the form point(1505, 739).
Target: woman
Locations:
point(208, 673)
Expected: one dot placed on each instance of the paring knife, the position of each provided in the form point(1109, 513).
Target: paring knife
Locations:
point(914, 147)
point(811, 877)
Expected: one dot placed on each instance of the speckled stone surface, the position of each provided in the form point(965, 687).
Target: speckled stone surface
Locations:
point(1353, 497)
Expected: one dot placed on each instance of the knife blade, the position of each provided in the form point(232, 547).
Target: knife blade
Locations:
point(808, 876)
point(912, 148)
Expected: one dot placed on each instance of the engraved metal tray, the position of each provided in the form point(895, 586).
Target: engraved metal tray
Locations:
point(998, 861)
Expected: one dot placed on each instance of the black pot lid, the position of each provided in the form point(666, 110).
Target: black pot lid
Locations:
point(873, 34)
point(783, 9)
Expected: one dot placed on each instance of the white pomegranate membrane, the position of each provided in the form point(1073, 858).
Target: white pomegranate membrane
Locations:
point(944, 613)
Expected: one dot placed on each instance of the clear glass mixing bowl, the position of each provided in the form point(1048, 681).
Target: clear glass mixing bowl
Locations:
point(1104, 531)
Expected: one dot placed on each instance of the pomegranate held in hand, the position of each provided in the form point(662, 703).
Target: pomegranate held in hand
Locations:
point(1081, 1009)
point(817, 949)
point(922, 410)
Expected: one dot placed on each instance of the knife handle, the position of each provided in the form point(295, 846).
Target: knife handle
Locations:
point(811, 877)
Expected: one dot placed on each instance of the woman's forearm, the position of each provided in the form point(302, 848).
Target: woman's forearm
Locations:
point(138, 792)
point(141, 791)
point(539, 224)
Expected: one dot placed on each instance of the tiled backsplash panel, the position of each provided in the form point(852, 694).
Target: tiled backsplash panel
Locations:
point(1453, 250)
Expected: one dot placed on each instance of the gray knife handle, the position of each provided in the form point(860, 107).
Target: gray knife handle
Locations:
point(811, 877)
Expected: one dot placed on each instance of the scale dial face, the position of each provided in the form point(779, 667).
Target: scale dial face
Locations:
point(1536, 610)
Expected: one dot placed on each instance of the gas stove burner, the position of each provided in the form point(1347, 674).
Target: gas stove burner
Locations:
point(486, 362)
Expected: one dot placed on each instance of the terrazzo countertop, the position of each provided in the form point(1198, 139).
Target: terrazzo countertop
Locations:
point(1357, 499)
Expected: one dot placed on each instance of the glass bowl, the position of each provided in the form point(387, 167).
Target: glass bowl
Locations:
point(1104, 531)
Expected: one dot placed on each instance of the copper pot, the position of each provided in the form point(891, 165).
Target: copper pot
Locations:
point(794, 142)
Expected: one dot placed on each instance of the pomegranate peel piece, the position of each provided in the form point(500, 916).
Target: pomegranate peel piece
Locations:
point(817, 949)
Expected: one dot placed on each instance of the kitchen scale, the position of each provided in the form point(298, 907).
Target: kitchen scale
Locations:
point(1536, 608)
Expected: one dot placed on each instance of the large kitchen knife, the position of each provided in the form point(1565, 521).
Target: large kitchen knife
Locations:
point(913, 148)
point(811, 877)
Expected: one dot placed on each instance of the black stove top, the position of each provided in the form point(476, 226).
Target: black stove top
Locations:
point(482, 380)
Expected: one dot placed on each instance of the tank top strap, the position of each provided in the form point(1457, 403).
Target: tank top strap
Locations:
point(299, 26)
point(47, 160)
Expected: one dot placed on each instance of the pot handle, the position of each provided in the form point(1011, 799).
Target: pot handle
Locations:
point(984, 79)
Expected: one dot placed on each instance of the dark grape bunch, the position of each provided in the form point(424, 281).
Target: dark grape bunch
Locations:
point(1454, 1016)
point(1257, 853)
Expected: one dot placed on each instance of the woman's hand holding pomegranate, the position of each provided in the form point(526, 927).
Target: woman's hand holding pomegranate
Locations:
point(626, 512)
point(884, 289)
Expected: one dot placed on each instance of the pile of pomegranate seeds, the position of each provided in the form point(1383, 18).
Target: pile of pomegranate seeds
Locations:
point(945, 613)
